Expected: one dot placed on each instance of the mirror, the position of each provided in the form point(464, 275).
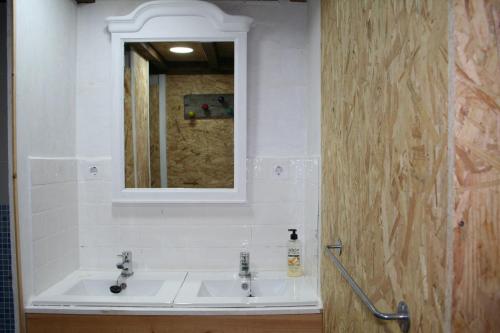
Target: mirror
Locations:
point(179, 114)
point(179, 97)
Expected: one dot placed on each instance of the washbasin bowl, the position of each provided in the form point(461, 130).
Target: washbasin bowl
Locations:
point(224, 289)
point(91, 288)
point(232, 288)
point(135, 288)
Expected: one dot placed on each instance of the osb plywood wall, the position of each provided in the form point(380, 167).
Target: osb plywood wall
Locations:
point(128, 130)
point(136, 122)
point(140, 86)
point(200, 152)
point(384, 152)
point(154, 134)
point(476, 250)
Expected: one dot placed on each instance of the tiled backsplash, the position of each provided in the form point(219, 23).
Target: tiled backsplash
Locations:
point(204, 236)
point(54, 208)
point(67, 214)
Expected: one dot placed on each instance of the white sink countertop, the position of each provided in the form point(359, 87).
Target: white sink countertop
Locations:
point(91, 288)
point(268, 289)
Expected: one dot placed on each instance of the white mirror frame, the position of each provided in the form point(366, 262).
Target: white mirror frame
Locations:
point(179, 20)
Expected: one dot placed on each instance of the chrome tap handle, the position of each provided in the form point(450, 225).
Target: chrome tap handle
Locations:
point(126, 260)
point(126, 264)
point(244, 264)
point(126, 256)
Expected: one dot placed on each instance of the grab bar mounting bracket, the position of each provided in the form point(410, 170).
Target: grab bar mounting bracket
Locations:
point(404, 324)
point(337, 246)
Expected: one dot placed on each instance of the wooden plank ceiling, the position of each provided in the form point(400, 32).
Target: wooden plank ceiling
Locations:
point(206, 58)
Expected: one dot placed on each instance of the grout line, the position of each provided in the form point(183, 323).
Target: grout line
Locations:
point(63, 182)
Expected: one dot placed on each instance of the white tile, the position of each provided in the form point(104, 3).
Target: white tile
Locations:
point(95, 192)
point(268, 258)
point(207, 236)
point(255, 169)
point(49, 222)
point(52, 170)
point(46, 197)
point(213, 258)
point(312, 169)
point(100, 257)
point(41, 252)
point(275, 191)
point(263, 235)
point(95, 214)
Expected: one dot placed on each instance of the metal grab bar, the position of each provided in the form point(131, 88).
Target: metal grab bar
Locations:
point(402, 316)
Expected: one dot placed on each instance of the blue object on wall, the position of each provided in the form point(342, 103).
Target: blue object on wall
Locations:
point(7, 321)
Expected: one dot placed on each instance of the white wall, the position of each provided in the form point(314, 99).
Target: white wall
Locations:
point(45, 98)
point(277, 76)
point(313, 114)
point(206, 236)
point(64, 110)
point(313, 121)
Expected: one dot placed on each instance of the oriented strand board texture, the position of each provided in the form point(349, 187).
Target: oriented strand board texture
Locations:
point(128, 131)
point(200, 153)
point(384, 160)
point(476, 285)
point(140, 86)
point(308, 323)
point(154, 135)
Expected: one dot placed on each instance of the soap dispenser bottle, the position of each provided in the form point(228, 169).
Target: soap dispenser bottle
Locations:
point(294, 255)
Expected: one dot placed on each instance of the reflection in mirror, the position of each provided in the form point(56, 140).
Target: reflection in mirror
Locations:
point(179, 115)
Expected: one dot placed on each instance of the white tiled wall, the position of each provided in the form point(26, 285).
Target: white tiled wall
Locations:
point(54, 208)
point(201, 237)
point(74, 223)
point(46, 126)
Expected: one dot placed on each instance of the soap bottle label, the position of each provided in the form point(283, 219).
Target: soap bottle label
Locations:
point(294, 267)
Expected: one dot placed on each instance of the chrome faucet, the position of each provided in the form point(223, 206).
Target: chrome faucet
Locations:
point(127, 271)
point(126, 264)
point(245, 265)
point(245, 274)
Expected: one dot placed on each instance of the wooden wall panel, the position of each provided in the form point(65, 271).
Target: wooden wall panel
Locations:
point(154, 135)
point(200, 152)
point(476, 284)
point(140, 86)
point(384, 159)
point(128, 130)
point(309, 323)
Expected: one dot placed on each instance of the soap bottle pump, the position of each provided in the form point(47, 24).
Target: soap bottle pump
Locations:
point(294, 255)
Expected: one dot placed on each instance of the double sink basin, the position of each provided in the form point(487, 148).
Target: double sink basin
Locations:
point(181, 289)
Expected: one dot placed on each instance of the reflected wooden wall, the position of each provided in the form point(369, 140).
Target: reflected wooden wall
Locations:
point(128, 130)
point(154, 133)
point(200, 152)
point(136, 122)
point(140, 86)
point(384, 159)
point(476, 251)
